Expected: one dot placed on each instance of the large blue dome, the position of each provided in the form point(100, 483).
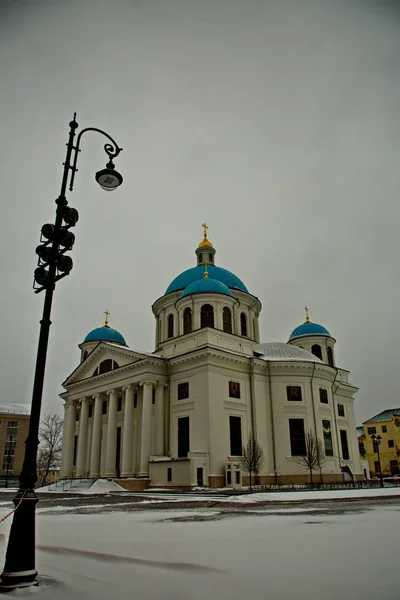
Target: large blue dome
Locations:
point(197, 273)
point(309, 328)
point(105, 334)
point(206, 285)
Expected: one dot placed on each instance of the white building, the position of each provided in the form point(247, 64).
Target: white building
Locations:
point(180, 416)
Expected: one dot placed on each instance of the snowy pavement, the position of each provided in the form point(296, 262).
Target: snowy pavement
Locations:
point(175, 555)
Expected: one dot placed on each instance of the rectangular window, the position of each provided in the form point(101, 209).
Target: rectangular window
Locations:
point(384, 429)
point(90, 410)
point(391, 443)
point(104, 407)
point(183, 437)
point(169, 474)
point(345, 446)
point(394, 467)
point(235, 433)
point(153, 395)
point(234, 389)
point(323, 396)
point(297, 437)
point(12, 424)
point(8, 466)
point(135, 400)
point(293, 393)
point(326, 426)
point(340, 410)
point(371, 430)
point(377, 466)
point(237, 476)
point(183, 390)
point(119, 404)
point(229, 478)
point(11, 438)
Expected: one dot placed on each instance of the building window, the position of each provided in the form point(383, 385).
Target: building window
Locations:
point(95, 372)
point(187, 320)
point(377, 466)
point(229, 478)
point(317, 351)
point(391, 443)
point(237, 476)
point(183, 437)
point(293, 393)
point(326, 427)
point(119, 404)
point(200, 258)
point(105, 366)
point(234, 389)
point(153, 395)
point(394, 467)
point(135, 400)
point(345, 445)
point(104, 409)
point(384, 429)
point(297, 437)
point(207, 316)
point(340, 410)
point(90, 410)
point(170, 326)
point(243, 324)
point(169, 474)
point(323, 395)
point(227, 320)
point(371, 430)
point(329, 352)
point(361, 448)
point(183, 390)
point(210, 259)
point(12, 425)
point(235, 433)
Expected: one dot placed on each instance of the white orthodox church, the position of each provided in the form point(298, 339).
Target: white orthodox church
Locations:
point(181, 415)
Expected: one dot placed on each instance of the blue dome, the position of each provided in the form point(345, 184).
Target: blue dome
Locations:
point(105, 334)
point(206, 286)
point(197, 273)
point(309, 328)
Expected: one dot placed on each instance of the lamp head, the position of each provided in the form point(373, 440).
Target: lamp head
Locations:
point(109, 179)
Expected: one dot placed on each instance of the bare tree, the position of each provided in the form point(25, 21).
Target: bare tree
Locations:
point(252, 458)
point(49, 454)
point(314, 456)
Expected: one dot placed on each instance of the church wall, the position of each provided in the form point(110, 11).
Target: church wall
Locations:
point(263, 421)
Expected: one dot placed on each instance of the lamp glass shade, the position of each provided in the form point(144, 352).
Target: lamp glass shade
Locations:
point(109, 179)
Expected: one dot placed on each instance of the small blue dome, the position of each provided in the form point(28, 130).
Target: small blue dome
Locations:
point(105, 334)
point(211, 286)
point(309, 328)
point(197, 273)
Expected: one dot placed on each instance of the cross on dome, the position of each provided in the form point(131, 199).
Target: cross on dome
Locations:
point(107, 314)
point(307, 317)
point(205, 243)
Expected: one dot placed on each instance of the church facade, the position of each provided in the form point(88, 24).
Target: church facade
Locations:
point(180, 416)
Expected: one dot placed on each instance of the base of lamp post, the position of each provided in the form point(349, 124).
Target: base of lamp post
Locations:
point(19, 570)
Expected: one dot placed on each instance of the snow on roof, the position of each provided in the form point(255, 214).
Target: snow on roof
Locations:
point(280, 351)
point(15, 409)
point(385, 415)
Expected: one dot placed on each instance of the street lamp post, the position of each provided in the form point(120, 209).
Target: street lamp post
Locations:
point(376, 440)
point(53, 265)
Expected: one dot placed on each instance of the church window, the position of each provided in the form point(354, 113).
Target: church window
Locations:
point(235, 434)
point(317, 351)
point(323, 395)
point(90, 411)
point(330, 356)
point(200, 258)
point(243, 324)
point(169, 474)
point(104, 407)
point(170, 326)
point(153, 395)
point(96, 372)
point(293, 393)
point(384, 429)
point(210, 258)
point(135, 400)
point(115, 364)
point(345, 445)
point(119, 404)
point(183, 437)
point(85, 354)
point(326, 427)
point(297, 437)
point(390, 443)
point(227, 320)
point(234, 389)
point(340, 410)
point(160, 330)
point(187, 320)
point(183, 390)
point(254, 329)
point(105, 366)
point(207, 316)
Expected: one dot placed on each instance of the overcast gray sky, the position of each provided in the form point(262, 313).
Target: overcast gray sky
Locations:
point(276, 121)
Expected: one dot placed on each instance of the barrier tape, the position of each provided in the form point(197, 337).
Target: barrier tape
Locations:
point(12, 511)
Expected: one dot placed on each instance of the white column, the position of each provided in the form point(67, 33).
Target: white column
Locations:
point(68, 439)
point(82, 438)
point(96, 437)
point(196, 320)
point(127, 437)
point(159, 417)
point(145, 445)
point(111, 447)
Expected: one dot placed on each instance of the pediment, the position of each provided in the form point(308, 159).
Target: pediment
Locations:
point(103, 352)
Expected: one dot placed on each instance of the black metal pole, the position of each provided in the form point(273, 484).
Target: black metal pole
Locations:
point(19, 570)
point(380, 466)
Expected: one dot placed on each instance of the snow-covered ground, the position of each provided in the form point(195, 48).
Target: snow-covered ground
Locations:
point(148, 556)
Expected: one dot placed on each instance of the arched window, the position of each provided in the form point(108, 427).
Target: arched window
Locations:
point(243, 324)
point(105, 366)
point(170, 326)
point(210, 259)
point(254, 329)
point(317, 351)
point(330, 356)
point(160, 330)
point(207, 316)
point(200, 258)
point(187, 320)
point(227, 320)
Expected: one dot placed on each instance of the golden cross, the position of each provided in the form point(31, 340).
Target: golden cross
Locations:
point(107, 314)
point(307, 317)
point(205, 229)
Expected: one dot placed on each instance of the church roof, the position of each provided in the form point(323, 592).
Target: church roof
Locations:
point(280, 351)
point(196, 273)
point(385, 415)
point(204, 286)
point(105, 334)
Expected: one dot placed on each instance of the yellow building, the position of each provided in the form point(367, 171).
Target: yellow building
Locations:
point(14, 425)
point(386, 424)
